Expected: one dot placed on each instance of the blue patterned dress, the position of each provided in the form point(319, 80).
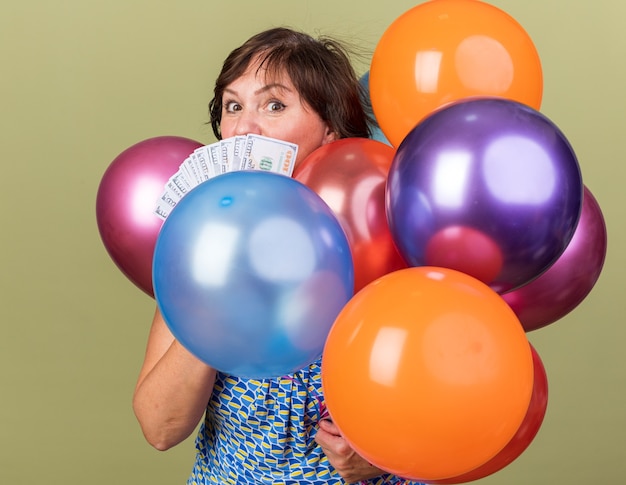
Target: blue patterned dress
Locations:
point(262, 432)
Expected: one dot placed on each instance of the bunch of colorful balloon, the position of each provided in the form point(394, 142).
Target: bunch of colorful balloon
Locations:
point(485, 203)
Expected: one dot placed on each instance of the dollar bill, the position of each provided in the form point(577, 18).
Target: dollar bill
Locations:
point(215, 157)
point(174, 190)
point(189, 170)
point(227, 150)
point(165, 203)
point(179, 179)
point(170, 196)
point(196, 168)
point(202, 156)
point(239, 143)
point(270, 154)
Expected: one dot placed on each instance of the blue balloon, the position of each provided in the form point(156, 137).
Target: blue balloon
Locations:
point(250, 270)
point(487, 186)
point(375, 132)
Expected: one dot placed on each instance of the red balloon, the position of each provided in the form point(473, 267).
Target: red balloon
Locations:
point(565, 284)
point(126, 199)
point(465, 249)
point(350, 176)
point(525, 434)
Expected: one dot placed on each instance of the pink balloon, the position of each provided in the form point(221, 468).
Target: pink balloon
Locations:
point(565, 284)
point(126, 199)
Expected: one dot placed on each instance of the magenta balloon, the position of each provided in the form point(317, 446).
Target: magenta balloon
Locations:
point(569, 280)
point(126, 199)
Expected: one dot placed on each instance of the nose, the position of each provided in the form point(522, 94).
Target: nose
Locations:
point(248, 122)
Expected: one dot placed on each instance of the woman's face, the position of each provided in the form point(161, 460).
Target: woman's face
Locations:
point(271, 106)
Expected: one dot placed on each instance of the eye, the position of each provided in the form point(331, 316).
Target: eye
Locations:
point(231, 106)
point(275, 106)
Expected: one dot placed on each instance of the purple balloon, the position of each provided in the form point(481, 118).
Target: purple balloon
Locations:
point(126, 199)
point(569, 280)
point(493, 168)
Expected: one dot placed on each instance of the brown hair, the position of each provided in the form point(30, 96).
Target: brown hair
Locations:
point(320, 70)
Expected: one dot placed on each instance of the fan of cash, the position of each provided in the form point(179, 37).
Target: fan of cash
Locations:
point(248, 152)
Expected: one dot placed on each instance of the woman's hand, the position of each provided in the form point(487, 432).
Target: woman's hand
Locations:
point(341, 456)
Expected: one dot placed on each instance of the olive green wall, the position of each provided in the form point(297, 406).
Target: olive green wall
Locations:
point(83, 80)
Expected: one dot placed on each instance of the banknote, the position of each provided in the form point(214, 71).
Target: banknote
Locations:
point(174, 189)
point(164, 205)
point(270, 154)
point(189, 169)
point(180, 181)
point(239, 143)
point(169, 198)
point(227, 152)
point(206, 170)
point(196, 168)
point(215, 158)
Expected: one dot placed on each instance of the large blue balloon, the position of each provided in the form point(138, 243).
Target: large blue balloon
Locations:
point(250, 270)
point(486, 186)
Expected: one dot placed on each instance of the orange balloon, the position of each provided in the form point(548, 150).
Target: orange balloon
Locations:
point(442, 51)
point(427, 373)
point(350, 175)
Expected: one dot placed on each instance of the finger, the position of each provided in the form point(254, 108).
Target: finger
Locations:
point(325, 439)
point(330, 441)
point(332, 444)
point(330, 427)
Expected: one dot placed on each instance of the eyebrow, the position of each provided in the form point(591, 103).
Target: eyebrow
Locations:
point(265, 88)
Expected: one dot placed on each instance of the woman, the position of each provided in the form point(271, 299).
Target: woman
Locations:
point(286, 85)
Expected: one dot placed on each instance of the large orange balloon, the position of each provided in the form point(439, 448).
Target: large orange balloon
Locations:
point(427, 373)
point(350, 175)
point(446, 50)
